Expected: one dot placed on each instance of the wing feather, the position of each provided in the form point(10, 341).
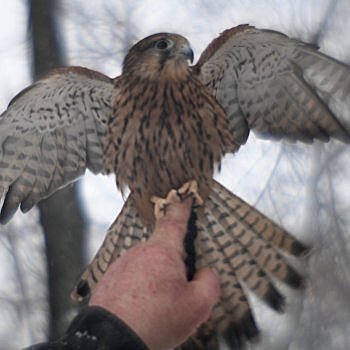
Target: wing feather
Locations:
point(276, 86)
point(51, 133)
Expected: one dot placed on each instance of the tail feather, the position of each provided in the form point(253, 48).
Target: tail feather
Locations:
point(236, 254)
point(259, 223)
point(243, 245)
point(240, 242)
point(126, 231)
point(232, 306)
point(233, 303)
point(262, 253)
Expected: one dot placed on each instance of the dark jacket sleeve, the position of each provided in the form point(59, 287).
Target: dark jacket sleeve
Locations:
point(95, 329)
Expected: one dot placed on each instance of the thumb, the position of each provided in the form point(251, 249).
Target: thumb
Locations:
point(205, 288)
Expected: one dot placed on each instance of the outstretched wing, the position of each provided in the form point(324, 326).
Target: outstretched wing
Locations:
point(51, 132)
point(278, 87)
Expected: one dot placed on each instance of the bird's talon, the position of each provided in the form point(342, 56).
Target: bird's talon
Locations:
point(180, 195)
point(160, 206)
point(189, 189)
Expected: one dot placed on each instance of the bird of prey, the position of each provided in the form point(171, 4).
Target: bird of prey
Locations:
point(163, 123)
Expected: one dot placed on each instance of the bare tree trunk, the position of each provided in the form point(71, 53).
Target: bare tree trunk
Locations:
point(60, 215)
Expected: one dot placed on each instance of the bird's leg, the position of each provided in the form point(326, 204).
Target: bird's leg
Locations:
point(189, 189)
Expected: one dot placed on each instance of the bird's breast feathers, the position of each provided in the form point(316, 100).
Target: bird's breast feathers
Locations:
point(163, 133)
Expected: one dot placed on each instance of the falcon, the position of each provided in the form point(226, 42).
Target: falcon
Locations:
point(163, 123)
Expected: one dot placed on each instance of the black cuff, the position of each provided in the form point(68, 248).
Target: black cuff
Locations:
point(95, 328)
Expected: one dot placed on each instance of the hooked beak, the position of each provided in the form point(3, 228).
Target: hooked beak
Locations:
point(190, 55)
point(187, 51)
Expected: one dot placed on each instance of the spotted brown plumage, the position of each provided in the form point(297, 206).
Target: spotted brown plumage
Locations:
point(163, 117)
point(162, 123)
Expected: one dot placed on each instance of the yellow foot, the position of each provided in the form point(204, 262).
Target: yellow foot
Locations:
point(189, 189)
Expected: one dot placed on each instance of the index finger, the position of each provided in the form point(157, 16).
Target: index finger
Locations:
point(171, 228)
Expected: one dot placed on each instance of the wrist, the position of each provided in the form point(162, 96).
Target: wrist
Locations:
point(96, 324)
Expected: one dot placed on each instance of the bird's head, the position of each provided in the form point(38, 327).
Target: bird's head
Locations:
point(157, 54)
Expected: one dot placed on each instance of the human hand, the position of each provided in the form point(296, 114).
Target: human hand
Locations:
point(147, 286)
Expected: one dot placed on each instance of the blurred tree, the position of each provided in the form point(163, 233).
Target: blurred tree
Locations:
point(60, 215)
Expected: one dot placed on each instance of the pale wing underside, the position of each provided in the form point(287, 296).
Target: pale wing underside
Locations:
point(278, 87)
point(50, 134)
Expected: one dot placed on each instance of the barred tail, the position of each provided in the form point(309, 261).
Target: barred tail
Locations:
point(244, 246)
point(125, 232)
point(241, 243)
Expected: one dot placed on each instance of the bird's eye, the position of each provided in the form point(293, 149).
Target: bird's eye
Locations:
point(162, 44)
